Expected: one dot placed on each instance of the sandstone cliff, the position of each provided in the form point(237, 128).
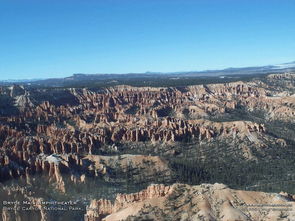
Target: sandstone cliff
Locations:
point(184, 202)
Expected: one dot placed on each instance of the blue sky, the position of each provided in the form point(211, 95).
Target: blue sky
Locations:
point(57, 38)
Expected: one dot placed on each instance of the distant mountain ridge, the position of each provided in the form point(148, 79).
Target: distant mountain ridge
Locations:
point(80, 77)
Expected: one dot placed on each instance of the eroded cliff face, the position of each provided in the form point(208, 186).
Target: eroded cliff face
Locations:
point(123, 135)
point(82, 121)
point(184, 202)
point(114, 169)
point(101, 208)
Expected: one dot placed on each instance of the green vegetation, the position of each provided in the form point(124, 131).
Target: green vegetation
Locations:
point(271, 169)
point(165, 112)
point(237, 173)
point(186, 114)
point(7, 107)
point(160, 80)
point(132, 110)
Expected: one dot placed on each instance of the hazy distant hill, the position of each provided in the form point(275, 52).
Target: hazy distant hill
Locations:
point(132, 78)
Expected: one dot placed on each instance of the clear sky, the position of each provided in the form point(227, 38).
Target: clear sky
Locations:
point(56, 38)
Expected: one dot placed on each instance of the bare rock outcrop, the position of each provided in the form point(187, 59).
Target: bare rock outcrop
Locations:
point(184, 202)
point(80, 122)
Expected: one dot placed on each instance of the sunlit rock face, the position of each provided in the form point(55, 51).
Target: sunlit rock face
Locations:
point(75, 137)
point(184, 202)
point(82, 121)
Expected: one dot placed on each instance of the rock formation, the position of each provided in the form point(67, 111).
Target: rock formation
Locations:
point(184, 202)
point(82, 121)
point(121, 134)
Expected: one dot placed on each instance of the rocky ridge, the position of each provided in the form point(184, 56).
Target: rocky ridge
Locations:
point(184, 202)
point(82, 121)
point(123, 134)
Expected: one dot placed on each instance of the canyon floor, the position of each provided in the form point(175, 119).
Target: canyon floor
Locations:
point(214, 151)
